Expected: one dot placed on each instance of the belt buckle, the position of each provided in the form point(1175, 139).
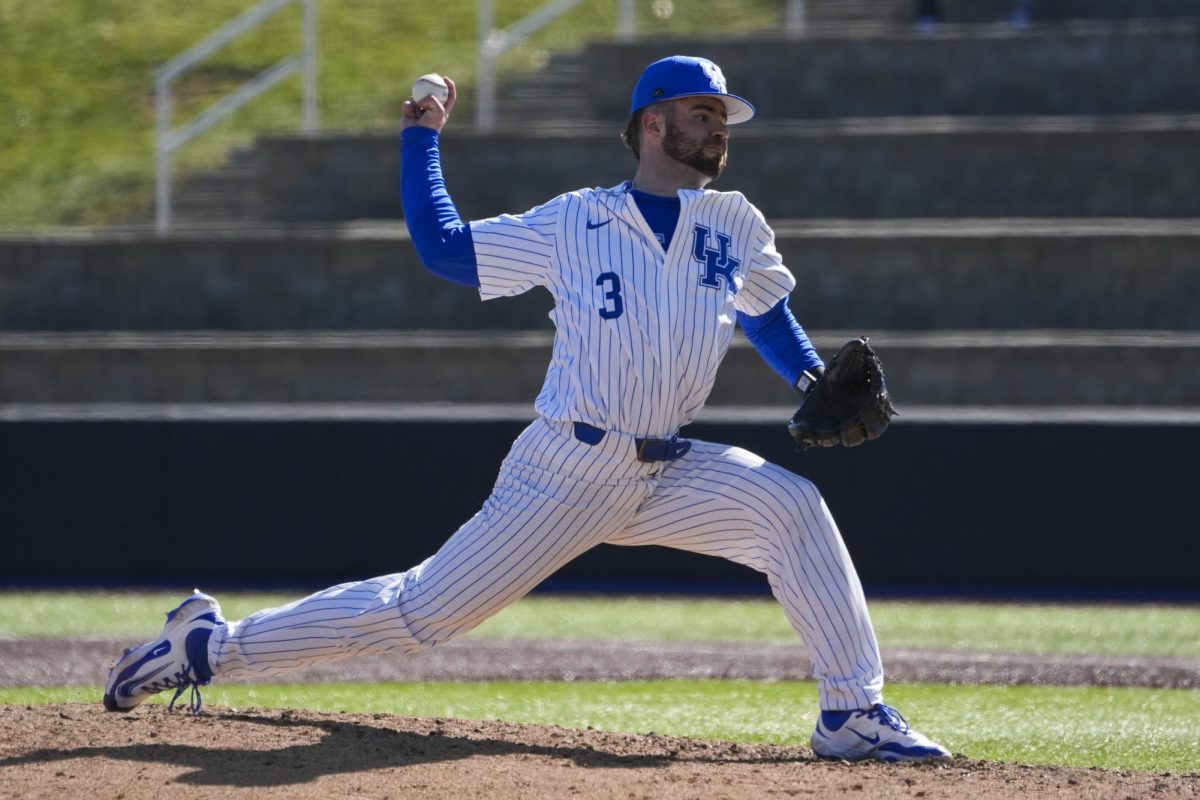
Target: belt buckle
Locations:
point(665, 449)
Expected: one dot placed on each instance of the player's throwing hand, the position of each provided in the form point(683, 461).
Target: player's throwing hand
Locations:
point(428, 112)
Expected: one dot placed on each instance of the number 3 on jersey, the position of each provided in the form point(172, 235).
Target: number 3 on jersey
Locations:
point(613, 306)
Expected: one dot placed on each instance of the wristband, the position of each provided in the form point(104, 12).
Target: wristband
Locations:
point(807, 380)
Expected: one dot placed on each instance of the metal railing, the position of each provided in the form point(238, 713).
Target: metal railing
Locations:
point(169, 139)
point(795, 17)
point(494, 43)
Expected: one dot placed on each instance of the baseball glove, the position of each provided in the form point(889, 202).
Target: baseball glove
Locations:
point(848, 405)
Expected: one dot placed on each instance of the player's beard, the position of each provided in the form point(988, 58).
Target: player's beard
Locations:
point(677, 145)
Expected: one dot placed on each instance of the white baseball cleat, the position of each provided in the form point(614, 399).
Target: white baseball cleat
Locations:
point(177, 659)
point(878, 732)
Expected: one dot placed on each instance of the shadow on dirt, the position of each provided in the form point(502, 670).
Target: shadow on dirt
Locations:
point(345, 747)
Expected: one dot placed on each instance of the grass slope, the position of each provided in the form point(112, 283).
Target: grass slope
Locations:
point(77, 81)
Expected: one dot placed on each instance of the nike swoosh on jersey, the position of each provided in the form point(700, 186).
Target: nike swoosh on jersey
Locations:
point(591, 226)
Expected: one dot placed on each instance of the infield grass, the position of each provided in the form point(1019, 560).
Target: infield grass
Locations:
point(1143, 729)
point(1129, 630)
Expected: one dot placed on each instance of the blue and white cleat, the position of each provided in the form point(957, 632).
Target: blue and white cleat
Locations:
point(878, 732)
point(177, 659)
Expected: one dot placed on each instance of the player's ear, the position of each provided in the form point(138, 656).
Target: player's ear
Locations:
point(653, 122)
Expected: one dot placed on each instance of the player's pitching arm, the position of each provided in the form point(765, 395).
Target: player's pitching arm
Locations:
point(442, 239)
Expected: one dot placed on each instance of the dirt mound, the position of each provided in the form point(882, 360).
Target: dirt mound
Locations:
point(80, 750)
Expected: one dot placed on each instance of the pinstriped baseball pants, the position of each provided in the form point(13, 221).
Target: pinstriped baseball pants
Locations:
point(557, 497)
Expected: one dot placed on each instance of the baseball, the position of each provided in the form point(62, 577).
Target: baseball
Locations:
point(431, 84)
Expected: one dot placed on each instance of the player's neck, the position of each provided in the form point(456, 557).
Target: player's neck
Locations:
point(666, 176)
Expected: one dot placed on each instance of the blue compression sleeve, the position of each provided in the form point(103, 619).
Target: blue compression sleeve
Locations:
point(442, 240)
point(780, 340)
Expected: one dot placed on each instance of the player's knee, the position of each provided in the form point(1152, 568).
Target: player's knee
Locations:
point(805, 508)
point(787, 503)
point(434, 622)
point(797, 491)
point(806, 491)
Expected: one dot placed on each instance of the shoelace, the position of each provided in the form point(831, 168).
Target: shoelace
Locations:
point(194, 699)
point(181, 681)
point(888, 716)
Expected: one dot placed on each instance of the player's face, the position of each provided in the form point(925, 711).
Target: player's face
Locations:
point(696, 134)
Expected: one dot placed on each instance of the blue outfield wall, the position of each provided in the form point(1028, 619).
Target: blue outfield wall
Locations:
point(977, 507)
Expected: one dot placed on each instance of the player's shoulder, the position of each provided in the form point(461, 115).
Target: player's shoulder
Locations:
point(599, 192)
point(731, 201)
point(545, 212)
point(731, 197)
point(592, 198)
point(583, 195)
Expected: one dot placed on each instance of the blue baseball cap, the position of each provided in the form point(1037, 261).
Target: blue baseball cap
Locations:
point(686, 76)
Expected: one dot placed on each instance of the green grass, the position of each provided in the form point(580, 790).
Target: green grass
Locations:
point(125, 614)
point(1141, 729)
point(77, 82)
point(991, 627)
point(1130, 630)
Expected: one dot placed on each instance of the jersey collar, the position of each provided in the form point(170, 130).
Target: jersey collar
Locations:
point(626, 186)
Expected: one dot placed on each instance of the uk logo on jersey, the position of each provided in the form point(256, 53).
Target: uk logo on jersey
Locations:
point(717, 262)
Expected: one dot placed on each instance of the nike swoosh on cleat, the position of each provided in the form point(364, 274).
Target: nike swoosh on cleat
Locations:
point(591, 226)
point(868, 739)
point(125, 689)
point(914, 752)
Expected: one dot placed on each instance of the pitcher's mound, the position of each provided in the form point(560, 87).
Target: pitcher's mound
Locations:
point(77, 750)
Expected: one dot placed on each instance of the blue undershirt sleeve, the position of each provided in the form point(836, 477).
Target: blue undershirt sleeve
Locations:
point(442, 239)
point(780, 340)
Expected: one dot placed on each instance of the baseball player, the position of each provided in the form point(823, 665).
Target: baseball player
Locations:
point(648, 279)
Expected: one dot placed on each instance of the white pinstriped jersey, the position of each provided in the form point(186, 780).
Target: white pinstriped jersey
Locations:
point(640, 330)
point(640, 334)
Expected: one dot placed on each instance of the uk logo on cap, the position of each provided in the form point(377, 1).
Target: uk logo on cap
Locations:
point(714, 74)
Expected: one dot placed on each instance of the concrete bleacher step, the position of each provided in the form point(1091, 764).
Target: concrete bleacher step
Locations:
point(1127, 166)
point(972, 368)
point(1081, 68)
point(818, 12)
point(892, 274)
point(226, 194)
point(982, 11)
point(559, 91)
point(1066, 132)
